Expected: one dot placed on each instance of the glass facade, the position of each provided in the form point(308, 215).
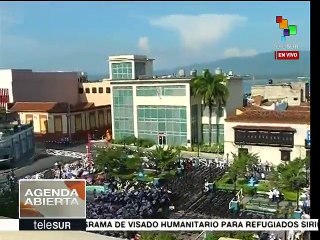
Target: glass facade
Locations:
point(121, 71)
point(123, 112)
point(170, 121)
point(139, 69)
point(173, 90)
point(194, 124)
point(205, 111)
point(214, 131)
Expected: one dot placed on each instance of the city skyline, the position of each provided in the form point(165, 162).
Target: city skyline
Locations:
point(52, 36)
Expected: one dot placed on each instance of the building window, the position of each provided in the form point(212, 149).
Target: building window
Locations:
point(80, 90)
point(168, 121)
point(162, 91)
point(100, 90)
point(78, 122)
point(122, 108)
point(57, 124)
point(94, 90)
point(87, 90)
point(121, 71)
point(101, 119)
point(108, 90)
point(92, 120)
point(285, 155)
point(140, 69)
point(43, 124)
point(29, 118)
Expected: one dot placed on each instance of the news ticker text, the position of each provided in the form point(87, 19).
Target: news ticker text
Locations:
point(159, 224)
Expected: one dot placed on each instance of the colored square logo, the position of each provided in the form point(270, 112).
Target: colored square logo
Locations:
point(286, 32)
point(293, 29)
point(283, 24)
point(283, 38)
point(59, 199)
point(278, 19)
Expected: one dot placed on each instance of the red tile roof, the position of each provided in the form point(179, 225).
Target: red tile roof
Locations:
point(50, 107)
point(251, 107)
point(268, 116)
point(301, 108)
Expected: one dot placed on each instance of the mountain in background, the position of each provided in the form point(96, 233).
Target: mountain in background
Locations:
point(262, 65)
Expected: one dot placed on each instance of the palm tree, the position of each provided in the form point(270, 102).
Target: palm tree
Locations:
point(292, 175)
point(164, 159)
point(241, 163)
point(214, 93)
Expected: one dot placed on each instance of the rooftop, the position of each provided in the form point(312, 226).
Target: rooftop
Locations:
point(265, 128)
point(129, 57)
point(50, 107)
point(271, 116)
point(167, 79)
point(251, 107)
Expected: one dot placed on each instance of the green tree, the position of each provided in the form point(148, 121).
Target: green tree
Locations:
point(9, 201)
point(292, 175)
point(117, 161)
point(158, 236)
point(214, 93)
point(236, 235)
point(108, 158)
point(164, 158)
point(241, 163)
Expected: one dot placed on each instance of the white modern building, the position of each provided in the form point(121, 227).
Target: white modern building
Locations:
point(130, 67)
point(161, 108)
point(275, 136)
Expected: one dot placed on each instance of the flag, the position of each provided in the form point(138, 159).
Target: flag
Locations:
point(4, 97)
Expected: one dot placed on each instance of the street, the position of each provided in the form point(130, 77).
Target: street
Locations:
point(40, 165)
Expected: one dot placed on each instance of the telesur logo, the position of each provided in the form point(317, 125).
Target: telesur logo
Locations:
point(51, 197)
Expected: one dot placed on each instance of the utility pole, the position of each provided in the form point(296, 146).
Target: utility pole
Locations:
point(69, 122)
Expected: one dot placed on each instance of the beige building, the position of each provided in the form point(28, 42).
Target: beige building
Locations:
point(276, 136)
point(52, 120)
point(25, 85)
point(295, 92)
point(60, 104)
point(98, 92)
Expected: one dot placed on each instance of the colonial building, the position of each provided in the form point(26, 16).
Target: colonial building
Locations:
point(98, 92)
point(274, 135)
point(57, 102)
point(54, 120)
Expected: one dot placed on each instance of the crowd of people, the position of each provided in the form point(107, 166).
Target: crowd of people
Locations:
point(139, 201)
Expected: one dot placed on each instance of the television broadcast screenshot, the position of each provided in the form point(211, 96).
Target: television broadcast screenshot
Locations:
point(155, 121)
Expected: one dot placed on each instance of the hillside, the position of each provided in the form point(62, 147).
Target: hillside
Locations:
point(261, 65)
